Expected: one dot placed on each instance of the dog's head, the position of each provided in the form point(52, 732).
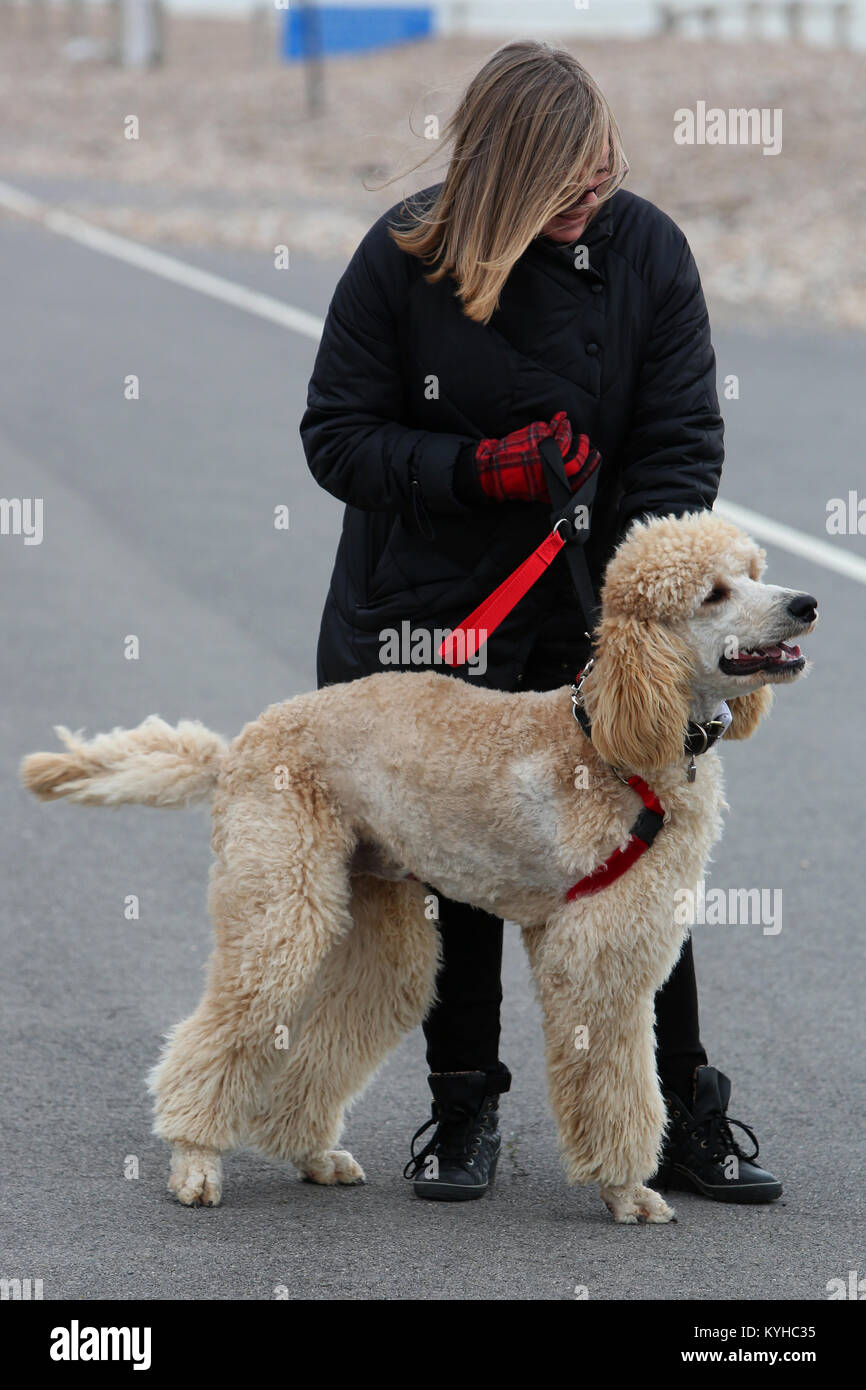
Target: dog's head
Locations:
point(687, 623)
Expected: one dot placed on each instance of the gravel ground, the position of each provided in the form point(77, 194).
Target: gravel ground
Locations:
point(229, 156)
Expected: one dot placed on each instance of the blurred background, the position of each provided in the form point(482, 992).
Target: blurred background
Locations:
point(260, 124)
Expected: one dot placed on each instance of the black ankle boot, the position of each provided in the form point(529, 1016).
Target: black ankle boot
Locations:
point(700, 1153)
point(459, 1162)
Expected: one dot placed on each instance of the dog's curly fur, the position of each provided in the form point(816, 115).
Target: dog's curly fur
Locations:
point(336, 812)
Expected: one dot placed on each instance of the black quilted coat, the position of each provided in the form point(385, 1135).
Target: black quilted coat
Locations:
point(403, 380)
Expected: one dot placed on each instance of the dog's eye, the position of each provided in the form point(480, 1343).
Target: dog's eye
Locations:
point(717, 594)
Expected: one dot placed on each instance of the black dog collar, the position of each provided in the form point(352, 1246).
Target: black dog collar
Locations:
point(698, 737)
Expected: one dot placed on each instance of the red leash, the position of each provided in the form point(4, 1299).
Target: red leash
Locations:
point(475, 630)
point(486, 618)
point(466, 639)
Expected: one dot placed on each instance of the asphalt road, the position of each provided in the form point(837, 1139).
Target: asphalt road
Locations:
point(158, 522)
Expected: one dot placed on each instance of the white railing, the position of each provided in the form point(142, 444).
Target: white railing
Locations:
point(819, 21)
point(791, 17)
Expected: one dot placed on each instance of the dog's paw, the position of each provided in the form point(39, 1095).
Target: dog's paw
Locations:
point(331, 1167)
point(196, 1176)
point(635, 1204)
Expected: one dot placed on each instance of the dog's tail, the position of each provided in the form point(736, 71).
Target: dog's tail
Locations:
point(153, 765)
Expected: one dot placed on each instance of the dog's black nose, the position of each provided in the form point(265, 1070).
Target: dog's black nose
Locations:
point(804, 608)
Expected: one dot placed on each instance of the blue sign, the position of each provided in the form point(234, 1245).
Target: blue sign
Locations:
point(329, 29)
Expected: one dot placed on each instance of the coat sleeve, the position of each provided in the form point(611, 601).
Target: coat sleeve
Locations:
point(675, 448)
point(354, 438)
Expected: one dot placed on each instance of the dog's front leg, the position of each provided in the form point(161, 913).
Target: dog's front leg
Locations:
point(602, 1079)
point(634, 1202)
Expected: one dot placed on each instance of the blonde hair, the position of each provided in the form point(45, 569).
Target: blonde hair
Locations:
point(529, 132)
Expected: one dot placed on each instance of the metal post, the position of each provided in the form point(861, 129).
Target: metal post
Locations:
point(795, 18)
point(311, 48)
point(141, 43)
point(709, 19)
point(667, 19)
point(262, 32)
point(114, 31)
point(754, 17)
point(76, 26)
point(842, 25)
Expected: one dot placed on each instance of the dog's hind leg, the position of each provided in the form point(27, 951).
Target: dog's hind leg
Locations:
point(376, 985)
point(277, 915)
point(602, 1078)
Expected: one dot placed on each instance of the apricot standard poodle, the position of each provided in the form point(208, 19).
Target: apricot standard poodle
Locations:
point(338, 816)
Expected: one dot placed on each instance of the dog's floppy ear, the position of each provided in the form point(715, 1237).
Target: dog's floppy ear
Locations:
point(637, 694)
point(748, 710)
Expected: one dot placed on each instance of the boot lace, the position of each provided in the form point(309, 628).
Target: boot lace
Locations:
point(417, 1161)
point(450, 1140)
point(720, 1139)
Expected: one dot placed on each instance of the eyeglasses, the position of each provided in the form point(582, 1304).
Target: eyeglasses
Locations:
point(603, 189)
point(611, 184)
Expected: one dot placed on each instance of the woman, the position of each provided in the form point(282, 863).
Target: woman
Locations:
point(526, 290)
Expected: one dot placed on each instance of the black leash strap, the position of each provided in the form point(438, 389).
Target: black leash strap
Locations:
point(567, 506)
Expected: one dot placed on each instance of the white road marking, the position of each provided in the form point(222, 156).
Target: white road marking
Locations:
point(167, 267)
point(763, 528)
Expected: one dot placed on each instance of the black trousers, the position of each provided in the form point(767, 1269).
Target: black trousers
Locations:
point(462, 1029)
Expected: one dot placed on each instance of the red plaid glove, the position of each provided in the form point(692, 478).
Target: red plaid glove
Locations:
point(510, 469)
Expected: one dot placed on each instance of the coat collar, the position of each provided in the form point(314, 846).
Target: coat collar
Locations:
point(595, 239)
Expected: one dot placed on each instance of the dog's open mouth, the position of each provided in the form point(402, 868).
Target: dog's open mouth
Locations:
point(781, 657)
